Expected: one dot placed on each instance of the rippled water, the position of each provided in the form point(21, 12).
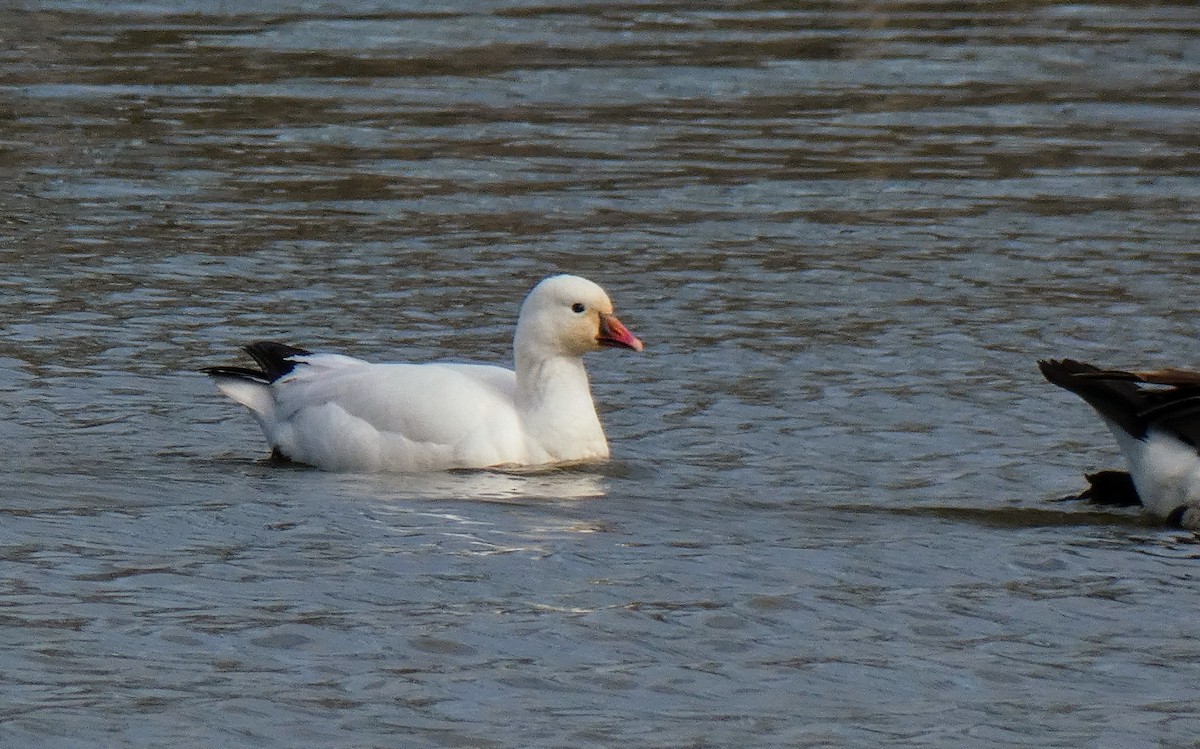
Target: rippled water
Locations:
point(845, 231)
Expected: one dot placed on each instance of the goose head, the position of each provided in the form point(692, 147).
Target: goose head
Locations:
point(569, 316)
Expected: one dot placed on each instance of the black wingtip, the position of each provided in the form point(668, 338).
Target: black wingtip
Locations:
point(1060, 371)
point(1117, 400)
point(275, 359)
point(237, 373)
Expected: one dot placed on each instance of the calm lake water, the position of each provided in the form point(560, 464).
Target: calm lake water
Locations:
point(845, 230)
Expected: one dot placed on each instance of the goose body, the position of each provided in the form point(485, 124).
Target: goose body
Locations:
point(1155, 418)
point(340, 413)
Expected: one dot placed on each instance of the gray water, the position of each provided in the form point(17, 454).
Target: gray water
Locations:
point(846, 231)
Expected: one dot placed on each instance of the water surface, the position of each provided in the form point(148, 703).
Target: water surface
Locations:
point(846, 231)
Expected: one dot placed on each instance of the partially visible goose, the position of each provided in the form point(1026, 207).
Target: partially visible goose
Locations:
point(344, 414)
point(1155, 417)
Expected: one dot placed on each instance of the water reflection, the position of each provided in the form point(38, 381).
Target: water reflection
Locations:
point(508, 486)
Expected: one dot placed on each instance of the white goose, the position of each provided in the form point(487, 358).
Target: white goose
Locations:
point(339, 413)
point(1155, 417)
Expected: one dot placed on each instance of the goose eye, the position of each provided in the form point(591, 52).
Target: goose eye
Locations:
point(577, 308)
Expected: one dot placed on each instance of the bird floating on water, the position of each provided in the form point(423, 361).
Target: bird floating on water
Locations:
point(340, 413)
point(1155, 418)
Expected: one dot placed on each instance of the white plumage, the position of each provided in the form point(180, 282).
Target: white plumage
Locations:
point(345, 414)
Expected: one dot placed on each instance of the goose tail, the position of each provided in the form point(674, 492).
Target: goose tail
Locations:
point(252, 387)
